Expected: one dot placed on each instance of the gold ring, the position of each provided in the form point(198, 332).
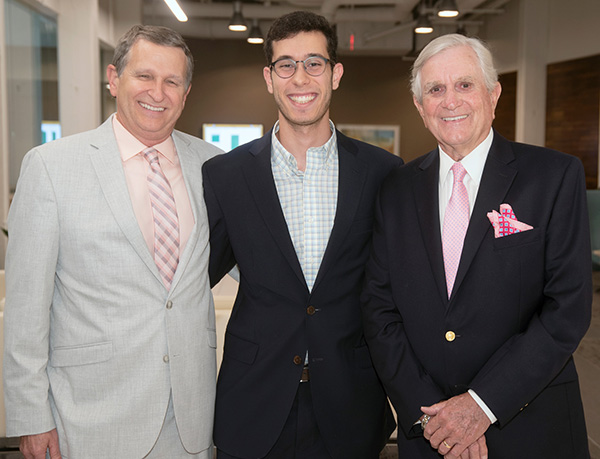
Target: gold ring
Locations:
point(447, 445)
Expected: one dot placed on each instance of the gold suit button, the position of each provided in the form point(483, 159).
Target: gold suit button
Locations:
point(310, 310)
point(298, 360)
point(166, 359)
point(169, 304)
point(450, 336)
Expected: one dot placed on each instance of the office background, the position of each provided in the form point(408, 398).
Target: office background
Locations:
point(53, 56)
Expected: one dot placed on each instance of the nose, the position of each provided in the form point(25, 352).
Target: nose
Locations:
point(156, 90)
point(300, 76)
point(452, 100)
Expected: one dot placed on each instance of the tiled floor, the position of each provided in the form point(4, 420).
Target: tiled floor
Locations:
point(587, 359)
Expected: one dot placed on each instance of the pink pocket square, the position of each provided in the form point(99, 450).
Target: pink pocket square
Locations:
point(505, 222)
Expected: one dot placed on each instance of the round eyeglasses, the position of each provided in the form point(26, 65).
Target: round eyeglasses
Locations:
point(286, 67)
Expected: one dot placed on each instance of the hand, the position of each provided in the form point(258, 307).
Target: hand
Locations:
point(477, 450)
point(455, 425)
point(35, 446)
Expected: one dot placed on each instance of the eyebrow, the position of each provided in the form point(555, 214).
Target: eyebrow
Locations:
point(308, 56)
point(432, 84)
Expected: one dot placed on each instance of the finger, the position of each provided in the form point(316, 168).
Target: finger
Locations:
point(483, 449)
point(444, 448)
point(431, 410)
point(473, 451)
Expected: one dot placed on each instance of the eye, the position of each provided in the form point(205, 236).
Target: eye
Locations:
point(285, 65)
point(465, 85)
point(314, 63)
point(435, 90)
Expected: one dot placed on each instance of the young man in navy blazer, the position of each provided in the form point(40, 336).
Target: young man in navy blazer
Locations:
point(482, 356)
point(294, 211)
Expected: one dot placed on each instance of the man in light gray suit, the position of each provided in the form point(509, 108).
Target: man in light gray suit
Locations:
point(107, 353)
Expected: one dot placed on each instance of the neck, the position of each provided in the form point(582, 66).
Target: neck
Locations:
point(297, 139)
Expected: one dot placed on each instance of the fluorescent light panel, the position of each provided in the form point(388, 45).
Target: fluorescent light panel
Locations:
point(177, 11)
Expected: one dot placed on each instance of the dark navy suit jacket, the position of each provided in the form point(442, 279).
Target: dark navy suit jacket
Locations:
point(275, 318)
point(519, 308)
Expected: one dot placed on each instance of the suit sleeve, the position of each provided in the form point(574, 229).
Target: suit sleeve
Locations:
point(221, 254)
point(528, 362)
point(405, 381)
point(31, 262)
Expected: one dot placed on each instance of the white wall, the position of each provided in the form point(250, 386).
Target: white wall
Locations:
point(529, 36)
point(83, 26)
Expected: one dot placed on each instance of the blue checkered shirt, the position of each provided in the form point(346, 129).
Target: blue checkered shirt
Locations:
point(308, 199)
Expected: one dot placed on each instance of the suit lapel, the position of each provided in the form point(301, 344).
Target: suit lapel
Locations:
point(426, 195)
point(259, 178)
point(191, 170)
point(496, 180)
point(106, 160)
point(352, 174)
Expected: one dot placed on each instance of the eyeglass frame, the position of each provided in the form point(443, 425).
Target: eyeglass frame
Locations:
point(327, 61)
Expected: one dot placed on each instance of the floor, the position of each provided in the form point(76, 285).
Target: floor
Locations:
point(587, 359)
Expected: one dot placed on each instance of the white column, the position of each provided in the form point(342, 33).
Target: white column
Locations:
point(78, 66)
point(531, 79)
point(4, 187)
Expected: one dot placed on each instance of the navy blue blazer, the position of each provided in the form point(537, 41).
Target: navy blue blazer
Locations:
point(275, 318)
point(519, 308)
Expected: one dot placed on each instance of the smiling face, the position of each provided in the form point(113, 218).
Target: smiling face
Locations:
point(457, 107)
point(303, 100)
point(151, 90)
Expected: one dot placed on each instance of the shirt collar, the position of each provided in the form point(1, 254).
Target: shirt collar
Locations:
point(473, 163)
point(130, 146)
point(319, 156)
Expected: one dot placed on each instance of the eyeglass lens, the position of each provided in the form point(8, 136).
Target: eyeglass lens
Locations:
point(314, 66)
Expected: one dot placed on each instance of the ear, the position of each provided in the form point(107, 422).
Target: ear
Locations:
point(338, 71)
point(186, 93)
point(113, 79)
point(495, 95)
point(268, 79)
point(420, 109)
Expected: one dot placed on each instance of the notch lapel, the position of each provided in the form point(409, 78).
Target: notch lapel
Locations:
point(352, 175)
point(259, 179)
point(426, 195)
point(191, 169)
point(496, 180)
point(106, 160)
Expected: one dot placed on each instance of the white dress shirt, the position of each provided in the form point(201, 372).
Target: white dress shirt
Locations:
point(473, 163)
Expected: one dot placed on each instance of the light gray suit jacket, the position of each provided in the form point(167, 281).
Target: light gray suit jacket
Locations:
point(94, 343)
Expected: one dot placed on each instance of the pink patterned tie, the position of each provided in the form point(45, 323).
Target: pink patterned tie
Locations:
point(166, 224)
point(456, 221)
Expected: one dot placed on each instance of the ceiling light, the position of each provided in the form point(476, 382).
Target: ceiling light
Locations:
point(237, 23)
point(255, 37)
point(447, 9)
point(176, 9)
point(423, 25)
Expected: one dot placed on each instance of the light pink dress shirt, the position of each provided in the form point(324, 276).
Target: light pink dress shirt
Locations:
point(136, 172)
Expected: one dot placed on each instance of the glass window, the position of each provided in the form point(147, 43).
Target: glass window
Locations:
point(32, 82)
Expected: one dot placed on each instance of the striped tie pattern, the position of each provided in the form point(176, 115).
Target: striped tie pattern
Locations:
point(166, 223)
point(456, 221)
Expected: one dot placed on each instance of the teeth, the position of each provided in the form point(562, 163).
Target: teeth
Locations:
point(302, 99)
point(150, 107)
point(454, 118)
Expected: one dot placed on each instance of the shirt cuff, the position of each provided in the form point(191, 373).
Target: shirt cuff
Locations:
point(483, 406)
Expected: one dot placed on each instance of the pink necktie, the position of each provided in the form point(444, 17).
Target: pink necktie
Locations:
point(166, 224)
point(456, 221)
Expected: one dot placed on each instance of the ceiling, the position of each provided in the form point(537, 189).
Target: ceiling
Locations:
point(378, 27)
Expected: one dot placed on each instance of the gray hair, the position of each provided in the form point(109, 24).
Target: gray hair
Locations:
point(436, 46)
point(154, 34)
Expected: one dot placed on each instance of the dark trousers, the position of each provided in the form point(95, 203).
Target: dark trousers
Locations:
point(300, 437)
